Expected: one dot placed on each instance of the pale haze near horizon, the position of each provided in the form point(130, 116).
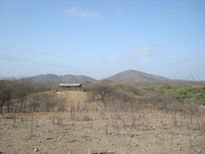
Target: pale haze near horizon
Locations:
point(101, 38)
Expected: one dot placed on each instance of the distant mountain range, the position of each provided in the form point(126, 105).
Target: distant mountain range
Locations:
point(131, 76)
point(136, 76)
point(52, 78)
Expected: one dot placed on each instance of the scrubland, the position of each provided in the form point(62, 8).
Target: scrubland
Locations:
point(104, 117)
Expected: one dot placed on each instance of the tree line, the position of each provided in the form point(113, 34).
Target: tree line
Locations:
point(14, 94)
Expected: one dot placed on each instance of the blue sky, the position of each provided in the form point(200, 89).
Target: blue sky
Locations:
point(100, 38)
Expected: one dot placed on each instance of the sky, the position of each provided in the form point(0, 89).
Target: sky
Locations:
point(100, 38)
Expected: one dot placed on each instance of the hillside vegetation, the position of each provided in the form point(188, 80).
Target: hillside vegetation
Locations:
point(22, 96)
point(14, 94)
point(186, 93)
point(176, 98)
point(104, 116)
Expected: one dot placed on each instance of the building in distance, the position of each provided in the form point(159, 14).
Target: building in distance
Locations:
point(70, 86)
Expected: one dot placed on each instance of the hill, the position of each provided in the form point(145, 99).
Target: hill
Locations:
point(131, 76)
point(52, 78)
point(137, 76)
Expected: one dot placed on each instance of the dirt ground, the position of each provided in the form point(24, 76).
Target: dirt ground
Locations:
point(94, 131)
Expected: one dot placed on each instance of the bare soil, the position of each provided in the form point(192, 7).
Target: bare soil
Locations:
point(89, 129)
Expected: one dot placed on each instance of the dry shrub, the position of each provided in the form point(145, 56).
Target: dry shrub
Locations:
point(168, 102)
point(57, 121)
point(46, 102)
point(14, 94)
point(109, 92)
point(123, 97)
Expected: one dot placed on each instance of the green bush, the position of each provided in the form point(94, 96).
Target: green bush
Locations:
point(187, 93)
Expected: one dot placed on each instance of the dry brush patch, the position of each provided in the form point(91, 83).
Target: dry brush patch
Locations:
point(149, 135)
point(118, 113)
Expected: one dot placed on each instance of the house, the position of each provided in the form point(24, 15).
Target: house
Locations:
point(70, 86)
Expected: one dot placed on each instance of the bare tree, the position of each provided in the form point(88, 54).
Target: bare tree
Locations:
point(5, 97)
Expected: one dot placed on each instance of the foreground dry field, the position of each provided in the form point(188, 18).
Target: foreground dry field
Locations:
point(87, 128)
